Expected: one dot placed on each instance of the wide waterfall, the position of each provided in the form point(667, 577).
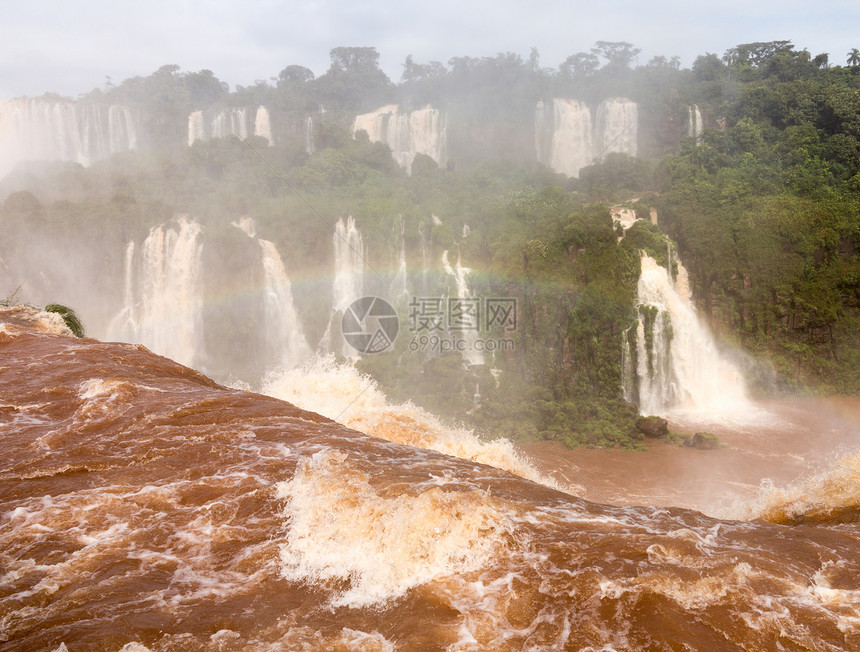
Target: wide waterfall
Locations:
point(239, 122)
point(56, 130)
point(164, 292)
point(569, 136)
point(563, 135)
point(407, 134)
point(617, 127)
point(678, 365)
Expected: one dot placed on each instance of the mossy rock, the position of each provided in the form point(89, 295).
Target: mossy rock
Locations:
point(704, 441)
point(653, 427)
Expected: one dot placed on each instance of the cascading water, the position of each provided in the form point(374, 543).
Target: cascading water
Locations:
point(407, 134)
point(233, 122)
point(348, 264)
point(459, 275)
point(398, 291)
point(348, 280)
point(164, 293)
point(309, 135)
point(564, 135)
point(263, 124)
point(694, 122)
point(568, 137)
point(425, 259)
point(196, 130)
point(285, 340)
point(678, 364)
point(45, 130)
point(285, 345)
point(617, 127)
point(239, 122)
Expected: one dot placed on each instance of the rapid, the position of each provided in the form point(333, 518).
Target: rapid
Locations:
point(145, 507)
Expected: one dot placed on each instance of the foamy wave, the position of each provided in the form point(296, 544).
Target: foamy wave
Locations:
point(46, 322)
point(374, 545)
point(831, 495)
point(340, 392)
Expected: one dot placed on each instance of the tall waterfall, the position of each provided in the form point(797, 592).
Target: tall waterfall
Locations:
point(48, 130)
point(348, 264)
point(164, 293)
point(309, 135)
point(407, 134)
point(348, 282)
point(459, 275)
point(239, 122)
point(398, 291)
point(286, 345)
point(283, 338)
point(263, 124)
point(678, 364)
point(569, 137)
point(694, 122)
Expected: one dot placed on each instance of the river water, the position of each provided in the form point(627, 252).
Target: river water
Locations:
point(143, 506)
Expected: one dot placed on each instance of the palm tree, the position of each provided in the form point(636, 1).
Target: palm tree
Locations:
point(854, 57)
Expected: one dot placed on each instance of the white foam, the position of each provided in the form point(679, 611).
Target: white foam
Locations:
point(342, 528)
point(340, 392)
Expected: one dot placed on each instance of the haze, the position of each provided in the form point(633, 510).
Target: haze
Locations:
point(71, 48)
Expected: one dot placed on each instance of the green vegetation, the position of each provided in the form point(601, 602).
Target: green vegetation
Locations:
point(69, 316)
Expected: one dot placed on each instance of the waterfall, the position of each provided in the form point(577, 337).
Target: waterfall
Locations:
point(195, 127)
point(617, 127)
point(459, 275)
point(348, 264)
point(564, 136)
point(309, 135)
point(284, 342)
point(233, 122)
point(407, 134)
point(286, 345)
point(262, 124)
point(164, 294)
point(694, 122)
point(678, 364)
point(568, 138)
point(348, 282)
point(56, 130)
point(425, 260)
point(230, 122)
point(398, 291)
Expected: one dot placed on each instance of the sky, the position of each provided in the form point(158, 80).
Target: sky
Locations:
point(72, 46)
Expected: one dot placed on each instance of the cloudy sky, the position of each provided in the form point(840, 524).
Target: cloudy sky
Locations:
point(70, 46)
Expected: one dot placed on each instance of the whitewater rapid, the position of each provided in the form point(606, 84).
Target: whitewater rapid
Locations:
point(144, 505)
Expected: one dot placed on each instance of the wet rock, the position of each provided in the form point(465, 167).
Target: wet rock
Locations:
point(653, 427)
point(703, 441)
